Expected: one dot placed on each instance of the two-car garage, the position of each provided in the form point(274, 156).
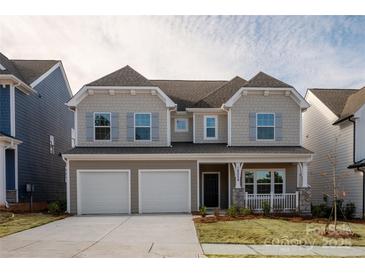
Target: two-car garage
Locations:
point(111, 191)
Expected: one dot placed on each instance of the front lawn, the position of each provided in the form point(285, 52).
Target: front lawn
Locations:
point(274, 231)
point(11, 223)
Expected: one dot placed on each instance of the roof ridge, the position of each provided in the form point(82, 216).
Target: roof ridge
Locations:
point(334, 89)
point(269, 76)
point(185, 80)
point(35, 60)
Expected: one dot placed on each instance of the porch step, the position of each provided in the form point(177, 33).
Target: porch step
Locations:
point(11, 196)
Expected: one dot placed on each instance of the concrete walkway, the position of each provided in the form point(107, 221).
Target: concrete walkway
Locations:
point(282, 250)
point(107, 236)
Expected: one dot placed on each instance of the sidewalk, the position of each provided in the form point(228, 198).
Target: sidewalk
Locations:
point(283, 250)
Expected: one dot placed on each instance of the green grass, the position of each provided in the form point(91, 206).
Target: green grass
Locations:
point(274, 256)
point(272, 231)
point(12, 223)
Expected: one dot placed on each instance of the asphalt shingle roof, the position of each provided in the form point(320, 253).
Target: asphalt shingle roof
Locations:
point(221, 95)
point(189, 93)
point(25, 70)
point(190, 148)
point(263, 80)
point(334, 99)
point(125, 76)
point(186, 93)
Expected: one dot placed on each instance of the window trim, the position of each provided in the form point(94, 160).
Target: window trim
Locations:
point(150, 126)
point(272, 183)
point(187, 125)
point(257, 126)
point(110, 122)
point(216, 127)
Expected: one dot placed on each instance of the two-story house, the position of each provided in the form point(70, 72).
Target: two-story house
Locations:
point(334, 126)
point(149, 146)
point(35, 127)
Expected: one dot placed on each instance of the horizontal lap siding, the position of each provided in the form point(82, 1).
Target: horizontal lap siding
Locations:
point(37, 117)
point(285, 105)
point(122, 104)
point(182, 136)
point(5, 109)
point(134, 166)
point(199, 128)
point(320, 137)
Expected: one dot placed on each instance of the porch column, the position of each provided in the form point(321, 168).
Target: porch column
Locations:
point(304, 191)
point(238, 191)
point(237, 167)
point(2, 176)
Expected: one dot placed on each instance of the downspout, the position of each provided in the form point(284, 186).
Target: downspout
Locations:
point(354, 140)
point(358, 169)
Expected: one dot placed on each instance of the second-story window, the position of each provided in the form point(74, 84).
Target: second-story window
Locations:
point(265, 124)
point(142, 122)
point(210, 127)
point(51, 144)
point(102, 126)
point(181, 125)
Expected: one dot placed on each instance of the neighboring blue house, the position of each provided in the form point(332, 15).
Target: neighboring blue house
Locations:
point(35, 127)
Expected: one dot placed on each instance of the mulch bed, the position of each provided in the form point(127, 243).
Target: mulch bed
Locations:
point(290, 218)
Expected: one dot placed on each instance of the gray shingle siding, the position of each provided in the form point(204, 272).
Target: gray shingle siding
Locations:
point(37, 117)
point(5, 109)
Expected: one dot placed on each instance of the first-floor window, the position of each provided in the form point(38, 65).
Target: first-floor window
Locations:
point(142, 122)
point(249, 182)
point(264, 181)
point(278, 182)
point(102, 126)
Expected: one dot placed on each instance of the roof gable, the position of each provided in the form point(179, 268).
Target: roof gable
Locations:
point(263, 80)
point(125, 76)
point(31, 70)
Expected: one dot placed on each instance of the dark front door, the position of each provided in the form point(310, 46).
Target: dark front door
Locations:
point(211, 189)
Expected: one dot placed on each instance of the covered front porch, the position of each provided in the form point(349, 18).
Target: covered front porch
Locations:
point(282, 186)
point(8, 169)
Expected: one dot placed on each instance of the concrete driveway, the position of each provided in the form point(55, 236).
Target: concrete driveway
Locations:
point(107, 236)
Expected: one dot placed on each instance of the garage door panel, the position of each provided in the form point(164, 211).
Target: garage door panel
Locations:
point(164, 191)
point(104, 192)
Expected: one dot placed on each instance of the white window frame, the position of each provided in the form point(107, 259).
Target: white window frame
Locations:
point(110, 125)
point(51, 145)
point(257, 126)
point(186, 122)
point(150, 126)
point(272, 184)
point(205, 127)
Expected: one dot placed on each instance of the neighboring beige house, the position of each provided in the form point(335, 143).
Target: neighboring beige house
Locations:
point(335, 125)
point(151, 146)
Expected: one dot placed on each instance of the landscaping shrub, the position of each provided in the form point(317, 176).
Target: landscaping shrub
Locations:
point(266, 208)
point(203, 211)
point(56, 208)
point(324, 210)
point(232, 211)
point(245, 211)
point(350, 210)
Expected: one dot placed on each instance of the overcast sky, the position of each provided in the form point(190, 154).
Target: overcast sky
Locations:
point(304, 51)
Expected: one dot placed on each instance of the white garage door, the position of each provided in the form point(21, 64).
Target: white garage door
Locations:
point(103, 192)
point(162, 191)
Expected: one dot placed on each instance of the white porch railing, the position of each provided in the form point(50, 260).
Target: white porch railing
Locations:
point(277, 202)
